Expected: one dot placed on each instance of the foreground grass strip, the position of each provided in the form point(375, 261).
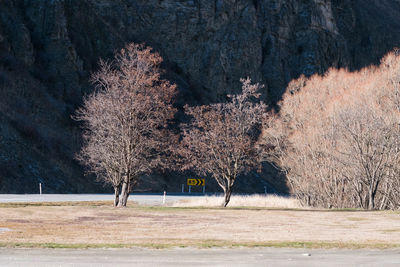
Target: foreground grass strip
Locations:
point(167, 208)
point(210, 244)
point(133, 205)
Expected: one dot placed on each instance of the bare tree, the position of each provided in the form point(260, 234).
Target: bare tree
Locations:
point(221, 138)
point(125, 119)
point(339, 137)
point(369, 144)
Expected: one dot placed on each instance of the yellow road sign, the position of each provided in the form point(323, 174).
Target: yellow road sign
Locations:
point(194, 182)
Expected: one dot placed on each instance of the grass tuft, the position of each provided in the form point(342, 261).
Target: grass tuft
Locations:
point(56, 204)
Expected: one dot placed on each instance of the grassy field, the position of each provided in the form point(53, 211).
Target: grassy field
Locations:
point(97, 224)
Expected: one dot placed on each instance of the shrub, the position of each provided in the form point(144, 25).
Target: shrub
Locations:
point(339, 142)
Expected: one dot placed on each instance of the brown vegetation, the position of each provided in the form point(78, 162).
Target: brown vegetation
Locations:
point(125, 119)
point(104, 225)
point(338, 137)
point(221, 138)
point(254, 200)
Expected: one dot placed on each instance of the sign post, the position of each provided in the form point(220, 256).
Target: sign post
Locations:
point(196, 182)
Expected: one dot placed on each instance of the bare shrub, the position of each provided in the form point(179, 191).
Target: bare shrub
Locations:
point(339, 137)
point(221, 138)
point(125, 119)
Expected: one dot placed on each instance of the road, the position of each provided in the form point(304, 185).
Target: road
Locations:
point(197, 257)
point(143, 199)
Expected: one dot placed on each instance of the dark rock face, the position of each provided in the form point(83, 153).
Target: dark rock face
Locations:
point(48, 49)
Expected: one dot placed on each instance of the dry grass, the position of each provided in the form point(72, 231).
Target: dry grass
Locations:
point(157, 227)
point(264, 201)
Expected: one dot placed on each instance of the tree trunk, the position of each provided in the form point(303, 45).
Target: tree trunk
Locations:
point(383, 203)
point(371, 199)
point(124, 194)
point(227, 195)
point(125, 199)
point(116, 195)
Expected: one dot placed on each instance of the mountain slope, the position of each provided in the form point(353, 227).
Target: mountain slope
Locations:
point(49, 48)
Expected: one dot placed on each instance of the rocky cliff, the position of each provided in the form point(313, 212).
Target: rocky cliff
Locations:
point(49, 47)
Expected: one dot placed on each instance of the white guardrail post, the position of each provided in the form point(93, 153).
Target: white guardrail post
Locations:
point(165, 194)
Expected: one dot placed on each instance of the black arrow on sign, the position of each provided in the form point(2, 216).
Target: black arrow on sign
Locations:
point(200, 182)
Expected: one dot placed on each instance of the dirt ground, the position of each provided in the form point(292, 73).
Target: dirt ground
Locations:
point(188, 226)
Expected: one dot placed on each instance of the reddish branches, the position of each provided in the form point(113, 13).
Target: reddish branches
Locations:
point(125, 119)
point(221, 138)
